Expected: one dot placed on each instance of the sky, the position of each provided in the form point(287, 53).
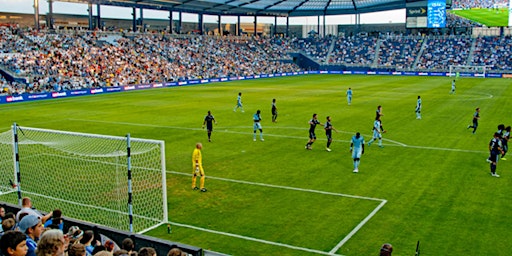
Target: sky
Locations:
point(26, 6)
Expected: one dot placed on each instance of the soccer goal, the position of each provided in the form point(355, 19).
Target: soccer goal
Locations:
point(118, 182)
point(477, 71)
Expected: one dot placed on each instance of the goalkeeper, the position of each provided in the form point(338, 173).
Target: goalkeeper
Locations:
point(197, 165)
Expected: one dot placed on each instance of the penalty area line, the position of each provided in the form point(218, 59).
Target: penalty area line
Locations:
point(333, 251)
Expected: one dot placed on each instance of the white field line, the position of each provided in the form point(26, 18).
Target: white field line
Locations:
point(332, 252)
point(221, 129)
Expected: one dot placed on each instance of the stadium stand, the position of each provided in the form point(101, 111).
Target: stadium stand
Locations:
point(495, 52)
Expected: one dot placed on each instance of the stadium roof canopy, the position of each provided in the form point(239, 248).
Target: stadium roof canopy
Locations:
point(280, 8)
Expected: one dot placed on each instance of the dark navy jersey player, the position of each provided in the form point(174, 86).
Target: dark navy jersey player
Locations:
point(312, 136)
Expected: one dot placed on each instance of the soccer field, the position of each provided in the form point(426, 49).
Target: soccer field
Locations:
point(484, 16)
point(430, 182)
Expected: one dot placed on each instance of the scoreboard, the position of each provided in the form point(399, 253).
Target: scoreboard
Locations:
point(436, 14)
point(426, 14)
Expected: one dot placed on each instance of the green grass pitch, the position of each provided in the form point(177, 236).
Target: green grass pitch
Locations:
point(484, 16)
point(430, 182)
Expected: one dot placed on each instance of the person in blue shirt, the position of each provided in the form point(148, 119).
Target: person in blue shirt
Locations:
point(349, 96)
point(357, 149)
point(378, 130)
point(452, 91)
point(33, 228)
point(239, 103)
point(418, 108)
point(257, 125)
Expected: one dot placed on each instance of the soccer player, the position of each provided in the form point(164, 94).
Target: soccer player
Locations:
point(418, 108)
point(257, 125)
point(197, 165)
point(357, 149)
point(378, 130)
point(349, 96)
point(378, 112)
point(495, 150)
point(312, 136)
point(208, 121)
point(328, 132)
point(274, 111)
point(239, 103)
point(504, 142)
point(452, 91)
point(476, 117)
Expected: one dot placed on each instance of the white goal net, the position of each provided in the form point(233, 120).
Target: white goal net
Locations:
point(87, 176)
point(478, 71)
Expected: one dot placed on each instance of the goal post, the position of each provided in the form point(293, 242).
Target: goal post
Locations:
point(108, 180)
point(477, 71)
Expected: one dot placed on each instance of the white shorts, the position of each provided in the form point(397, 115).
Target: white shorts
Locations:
point(257, 126)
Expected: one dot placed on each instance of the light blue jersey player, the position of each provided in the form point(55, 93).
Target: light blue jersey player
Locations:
point(378, 130)
point(257, 125)
point(239, 103)
point(418, 108)
point(357, 149)
point(349, 96)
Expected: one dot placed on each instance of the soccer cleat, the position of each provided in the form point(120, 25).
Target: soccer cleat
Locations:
point(487, 160)
point(380, 146)
point(203, 190)
point(495, 175)
point(262, 140)
point(328, 149)
point(355, 170)
point(468, 126)
point(503, 158)
point(369, 144)
point(195, 188)
point(253, 139)
point(209, 140)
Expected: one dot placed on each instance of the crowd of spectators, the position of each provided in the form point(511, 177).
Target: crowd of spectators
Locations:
point(399, 52)
point(495, 52)
point(354, 50)
point(57, 62)
point(440, 53)
point(315, 47)
point(26, 234)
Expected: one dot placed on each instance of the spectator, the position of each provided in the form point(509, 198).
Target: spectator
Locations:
point(2, 213)
point(75, 234)
point(86, 240)
point(120, 252)
point(52, 243)
point(55, 222)
point(32, 227)
point(128, 245)
point(27, 208)
point(76, 250)
point(13, 243)
point(176, 252)
point(147, 251)
point(8, 224)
